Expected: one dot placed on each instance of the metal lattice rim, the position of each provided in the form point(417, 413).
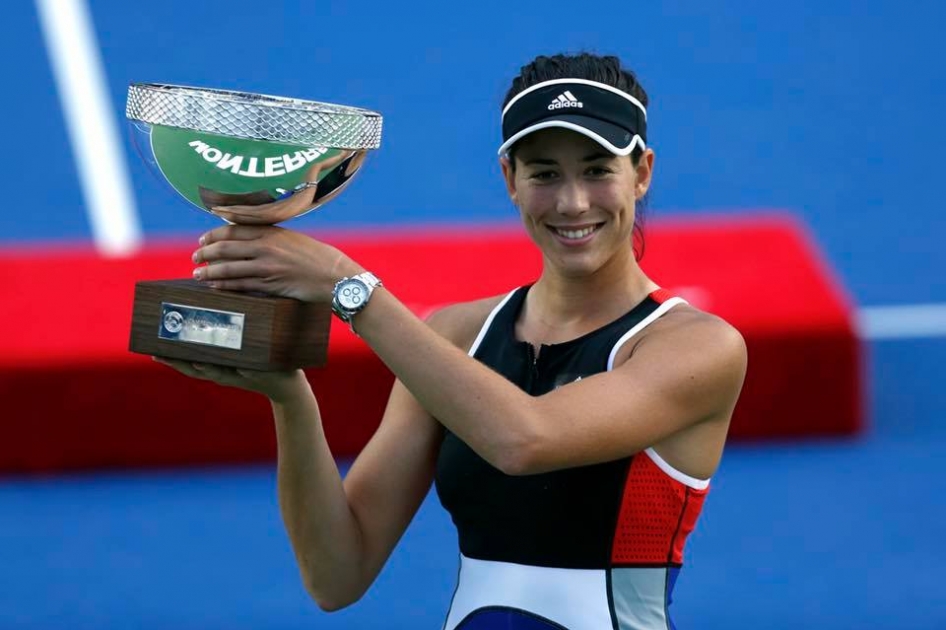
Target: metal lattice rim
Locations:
point(254, 116)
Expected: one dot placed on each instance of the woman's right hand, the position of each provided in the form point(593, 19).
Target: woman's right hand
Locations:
point(279, 387)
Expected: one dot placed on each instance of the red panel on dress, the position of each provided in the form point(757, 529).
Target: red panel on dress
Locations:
point(657, 513)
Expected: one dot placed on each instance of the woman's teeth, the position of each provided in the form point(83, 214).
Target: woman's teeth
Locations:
point(576, 234)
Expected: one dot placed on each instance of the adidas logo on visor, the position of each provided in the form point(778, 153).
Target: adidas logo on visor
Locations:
point(565, 99)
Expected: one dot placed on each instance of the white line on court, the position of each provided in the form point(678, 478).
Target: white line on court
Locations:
point(80, 79)
point(907, 321)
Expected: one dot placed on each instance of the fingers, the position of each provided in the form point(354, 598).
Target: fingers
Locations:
point(230, 270)
point(273, 385)
point(270, 213)
point(203, 371)
point(242, 215)
point(226, 250)
point(180, 366)
point(243, 285)
point(236, 233)
point(218, 373)
point(184, 367)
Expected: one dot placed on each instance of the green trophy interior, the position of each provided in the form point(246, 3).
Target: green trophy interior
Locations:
point(246, 169)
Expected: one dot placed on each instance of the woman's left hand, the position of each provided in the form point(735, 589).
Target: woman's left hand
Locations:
point(271, 260)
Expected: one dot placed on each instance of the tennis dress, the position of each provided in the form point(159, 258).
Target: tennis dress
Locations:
point(585, 548)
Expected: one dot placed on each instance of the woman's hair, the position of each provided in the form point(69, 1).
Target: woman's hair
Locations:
point(602, 69)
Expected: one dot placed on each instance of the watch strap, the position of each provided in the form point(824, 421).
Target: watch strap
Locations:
point(370, 281)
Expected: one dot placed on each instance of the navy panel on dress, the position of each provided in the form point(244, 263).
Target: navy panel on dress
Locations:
point(506, 619)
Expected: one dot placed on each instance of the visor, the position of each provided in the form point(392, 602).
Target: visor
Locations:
point(612, 118)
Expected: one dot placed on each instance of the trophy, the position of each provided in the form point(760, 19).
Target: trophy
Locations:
point(248, 159)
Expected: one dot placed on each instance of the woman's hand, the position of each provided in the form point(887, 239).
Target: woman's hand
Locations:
point(279, 387)
point(271, 260)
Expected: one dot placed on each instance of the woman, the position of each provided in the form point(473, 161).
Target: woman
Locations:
point(574, 449)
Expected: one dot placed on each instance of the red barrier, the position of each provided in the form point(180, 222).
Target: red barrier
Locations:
point(73, 397)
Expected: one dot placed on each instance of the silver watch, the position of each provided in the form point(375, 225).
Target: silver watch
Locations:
point(351, 295)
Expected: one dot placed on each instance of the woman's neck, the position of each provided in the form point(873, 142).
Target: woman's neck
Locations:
point(562, 305)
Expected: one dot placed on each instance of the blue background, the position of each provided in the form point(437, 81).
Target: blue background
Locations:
point(829, 110)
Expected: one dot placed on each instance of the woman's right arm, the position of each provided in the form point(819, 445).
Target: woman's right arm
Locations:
point(342, 532)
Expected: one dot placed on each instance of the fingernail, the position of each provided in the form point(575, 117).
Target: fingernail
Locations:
point(196, 256)
point(202, 239)
point(198, 273)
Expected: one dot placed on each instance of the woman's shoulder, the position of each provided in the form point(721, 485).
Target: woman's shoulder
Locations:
point(686, 325)
point(686, 316)
point(462, 322)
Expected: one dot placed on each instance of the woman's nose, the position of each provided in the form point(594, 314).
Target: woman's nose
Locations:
point(573, 199)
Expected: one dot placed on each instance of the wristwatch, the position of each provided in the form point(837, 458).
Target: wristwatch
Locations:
point(351, 295)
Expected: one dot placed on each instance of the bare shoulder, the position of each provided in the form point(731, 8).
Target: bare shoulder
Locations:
point(685, 330)
point(689, 320)
point(461, 322)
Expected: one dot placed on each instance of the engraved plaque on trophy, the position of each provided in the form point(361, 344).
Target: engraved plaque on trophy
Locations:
point(248, 159)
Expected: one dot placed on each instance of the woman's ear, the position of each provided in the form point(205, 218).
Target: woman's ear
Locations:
point(509, 174)
point(645, 172)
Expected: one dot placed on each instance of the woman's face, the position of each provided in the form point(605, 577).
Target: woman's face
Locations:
point(576, 199)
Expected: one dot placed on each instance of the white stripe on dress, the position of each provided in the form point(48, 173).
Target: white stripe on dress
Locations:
point(641, 325)
point(488, 322)
point(670, 471)
point(574, 598)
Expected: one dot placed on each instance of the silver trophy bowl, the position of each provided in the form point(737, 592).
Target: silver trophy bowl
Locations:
point(249, 158)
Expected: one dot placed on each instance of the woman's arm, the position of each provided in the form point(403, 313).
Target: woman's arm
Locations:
point(342, 532)
point(688, 370)
point(322, 526)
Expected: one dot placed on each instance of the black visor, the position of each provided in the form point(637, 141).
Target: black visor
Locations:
point(612, 118)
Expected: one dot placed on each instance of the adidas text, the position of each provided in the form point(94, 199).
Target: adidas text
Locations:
point(560, 105)
point(565, 99)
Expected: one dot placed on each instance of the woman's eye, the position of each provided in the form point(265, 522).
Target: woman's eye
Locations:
point(598, 171)
point(543, 175)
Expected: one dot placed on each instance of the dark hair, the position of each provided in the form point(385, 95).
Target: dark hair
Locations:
point(603, 69)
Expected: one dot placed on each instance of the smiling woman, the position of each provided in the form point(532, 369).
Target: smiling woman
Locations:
point(615, 119)
point(571, 193)
point(571, 425)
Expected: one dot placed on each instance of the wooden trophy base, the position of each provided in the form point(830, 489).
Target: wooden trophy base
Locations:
point(182, 319)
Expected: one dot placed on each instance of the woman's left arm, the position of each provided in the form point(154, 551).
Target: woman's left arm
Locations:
point(689, 371)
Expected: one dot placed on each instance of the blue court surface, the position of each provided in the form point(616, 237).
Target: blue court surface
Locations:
point(830, 110)
point(831, 535)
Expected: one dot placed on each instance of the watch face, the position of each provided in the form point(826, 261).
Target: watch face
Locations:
point(352, 294)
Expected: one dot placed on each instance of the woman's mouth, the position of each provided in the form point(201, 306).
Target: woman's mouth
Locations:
point(575, 235)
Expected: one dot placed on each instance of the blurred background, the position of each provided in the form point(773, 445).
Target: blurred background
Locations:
point(828, 114)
